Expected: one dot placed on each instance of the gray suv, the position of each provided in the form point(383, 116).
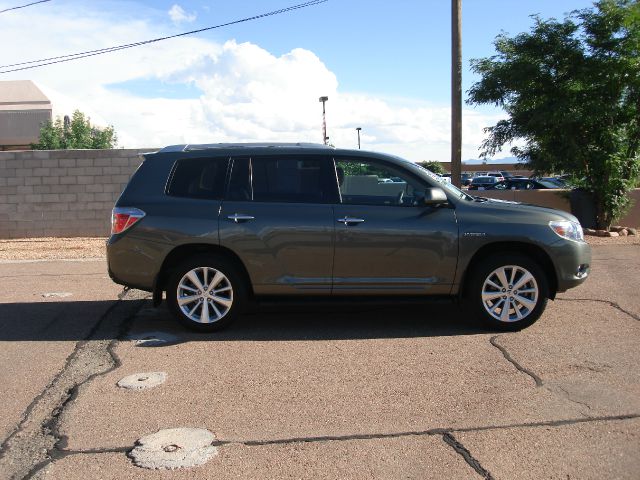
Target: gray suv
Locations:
point(217, 226)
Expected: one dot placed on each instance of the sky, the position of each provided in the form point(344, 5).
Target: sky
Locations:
point(385, 66)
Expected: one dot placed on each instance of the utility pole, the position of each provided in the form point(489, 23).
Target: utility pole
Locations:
point(456, 91)
point(358, 129)
point(324, 120)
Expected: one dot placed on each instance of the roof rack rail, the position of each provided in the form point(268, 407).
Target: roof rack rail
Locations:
point(213, 146)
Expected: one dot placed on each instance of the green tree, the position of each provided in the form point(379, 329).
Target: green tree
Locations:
point(433, 166)
point(78, 134)
point(571, 89)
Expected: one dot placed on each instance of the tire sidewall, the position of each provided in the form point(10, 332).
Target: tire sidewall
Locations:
point(212, 261)
point(474, 301)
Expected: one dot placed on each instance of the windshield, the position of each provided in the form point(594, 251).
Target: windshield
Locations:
point(443, 182)
point(549, 183)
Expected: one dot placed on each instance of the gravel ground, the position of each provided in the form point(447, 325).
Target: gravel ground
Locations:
point(630, 240)
point(74, 248)
point(51, 248)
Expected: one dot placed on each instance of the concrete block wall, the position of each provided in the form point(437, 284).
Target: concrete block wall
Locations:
point(62, 192)
point(559, 199)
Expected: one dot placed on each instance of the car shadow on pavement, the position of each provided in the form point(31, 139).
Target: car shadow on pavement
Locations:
point(289, 323)
point(69, 320)
point(60, 320)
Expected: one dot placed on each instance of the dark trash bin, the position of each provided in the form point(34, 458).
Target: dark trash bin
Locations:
point(583, 207)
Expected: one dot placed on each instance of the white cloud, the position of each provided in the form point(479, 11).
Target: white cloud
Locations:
point(247, 93)
point(178, 15)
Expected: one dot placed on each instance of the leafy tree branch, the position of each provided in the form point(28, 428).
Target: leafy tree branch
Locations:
point(571, 89)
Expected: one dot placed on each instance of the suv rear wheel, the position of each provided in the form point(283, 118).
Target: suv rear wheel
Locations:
point(205, 293)
point(508, 292)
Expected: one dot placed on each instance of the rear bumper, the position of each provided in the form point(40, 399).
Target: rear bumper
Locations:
point(134, 262)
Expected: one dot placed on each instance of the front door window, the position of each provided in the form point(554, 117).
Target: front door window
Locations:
point(367, 183)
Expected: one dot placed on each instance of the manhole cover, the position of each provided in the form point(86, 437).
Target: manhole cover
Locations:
point(142, 381)
point(174, 448)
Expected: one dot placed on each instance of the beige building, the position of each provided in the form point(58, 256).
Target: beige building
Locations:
point(23, 109)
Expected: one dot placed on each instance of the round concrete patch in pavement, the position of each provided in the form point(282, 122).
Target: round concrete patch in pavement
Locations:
point(154, 339)
point(174, 448)
point(56, 294)
point(142, 381)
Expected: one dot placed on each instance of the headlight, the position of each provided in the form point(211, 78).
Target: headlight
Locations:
point(568, 230)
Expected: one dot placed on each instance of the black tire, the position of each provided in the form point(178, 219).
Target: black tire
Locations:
point(519, 302)
point(222, 307)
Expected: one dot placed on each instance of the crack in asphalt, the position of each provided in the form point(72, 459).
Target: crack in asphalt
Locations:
point(447, 435)
point(494, 341)
point(429, 432)
point(608, 302)
point(36, 441)
point(56, 378)
point(556, 389)
point(464, 452)
point(570, 398)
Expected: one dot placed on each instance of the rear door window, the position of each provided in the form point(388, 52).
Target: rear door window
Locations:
point(202, 178)
point(284, 179)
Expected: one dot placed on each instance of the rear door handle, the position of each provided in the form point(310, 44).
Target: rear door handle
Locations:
point(239, 217)
point(350, 220)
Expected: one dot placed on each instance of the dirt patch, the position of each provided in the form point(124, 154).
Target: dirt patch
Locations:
point(630, 240)
point(52, 248)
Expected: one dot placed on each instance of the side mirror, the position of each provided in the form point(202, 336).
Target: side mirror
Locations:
point(434, 196)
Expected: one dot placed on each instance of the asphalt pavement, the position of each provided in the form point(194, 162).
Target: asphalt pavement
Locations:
point(371, 392)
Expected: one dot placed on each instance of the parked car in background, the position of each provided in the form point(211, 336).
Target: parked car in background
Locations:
point(498, 175)
point(483, 183)
point(522, 184)
point(465, 178)
point(554, 180)
point(213, 228)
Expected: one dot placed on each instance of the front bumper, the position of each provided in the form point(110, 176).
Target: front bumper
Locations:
point(573, 263)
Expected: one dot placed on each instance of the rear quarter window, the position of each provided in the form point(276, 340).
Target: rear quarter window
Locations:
point(202, 178)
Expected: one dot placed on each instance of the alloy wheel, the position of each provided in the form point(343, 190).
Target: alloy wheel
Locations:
point(510, 293)
point(204, 295)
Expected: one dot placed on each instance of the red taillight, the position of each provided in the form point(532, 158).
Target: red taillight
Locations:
point(124, 218)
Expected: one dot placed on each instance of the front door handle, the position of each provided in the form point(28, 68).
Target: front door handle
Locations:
point(239, 217)
point(350, 220)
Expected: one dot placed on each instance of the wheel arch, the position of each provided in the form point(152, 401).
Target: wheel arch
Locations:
point(535, 252)
point(178, 254)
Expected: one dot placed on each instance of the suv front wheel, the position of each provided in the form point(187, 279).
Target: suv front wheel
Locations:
point(205, 293)
point(508, 292)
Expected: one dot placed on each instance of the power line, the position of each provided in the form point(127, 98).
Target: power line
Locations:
point(23, 6)
point(90, 53)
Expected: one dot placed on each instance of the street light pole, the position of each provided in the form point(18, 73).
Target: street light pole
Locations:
point(456, 91)
point(324, 120)
point(358, 129)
